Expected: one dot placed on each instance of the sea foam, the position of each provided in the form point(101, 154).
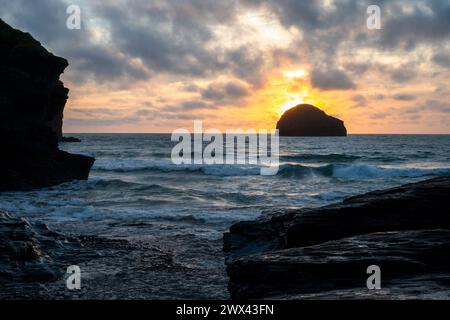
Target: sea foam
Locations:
point(351, 171)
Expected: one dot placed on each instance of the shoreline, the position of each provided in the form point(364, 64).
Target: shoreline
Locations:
point(301, 254)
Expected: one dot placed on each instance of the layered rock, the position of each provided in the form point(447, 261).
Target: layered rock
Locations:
point(325, 251)
point(307, 120)
point(32, 101)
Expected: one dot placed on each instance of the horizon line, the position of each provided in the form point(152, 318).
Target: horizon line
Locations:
point(349, 134)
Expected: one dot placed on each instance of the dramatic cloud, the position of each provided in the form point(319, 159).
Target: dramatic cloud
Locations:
point(331, 80)
point(413, 22)
point(403, 74)
point(225, 91)
point(442, 59)
point(156, 63)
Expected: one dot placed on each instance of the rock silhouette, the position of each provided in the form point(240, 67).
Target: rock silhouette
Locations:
point(32, 101)
point(70, 139)
point(324, 252)
point(307, 120)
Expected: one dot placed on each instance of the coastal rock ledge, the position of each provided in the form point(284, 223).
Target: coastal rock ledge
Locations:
point(306, 120)
point(32, 101)
point(323, 253)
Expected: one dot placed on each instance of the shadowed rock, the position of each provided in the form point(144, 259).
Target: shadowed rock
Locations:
point(375, 228)
point(341, 264)
point(70, 140)
point(32, 101)
point(21, 255)
point(307, 120)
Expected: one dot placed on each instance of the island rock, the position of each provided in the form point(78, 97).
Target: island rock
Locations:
point(307, 120)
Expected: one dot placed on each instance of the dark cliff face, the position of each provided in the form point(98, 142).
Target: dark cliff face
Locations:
point(32, 101)
point(31, 93)
point(307, 120)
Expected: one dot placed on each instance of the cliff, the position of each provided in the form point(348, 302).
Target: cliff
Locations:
point(324, 252)
point(307, 120)
point(32, 101)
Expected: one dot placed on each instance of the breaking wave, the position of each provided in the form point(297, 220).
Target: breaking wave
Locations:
point(352, 171)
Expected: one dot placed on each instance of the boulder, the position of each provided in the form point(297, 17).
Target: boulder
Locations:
point(32, 101)
point(307, 120)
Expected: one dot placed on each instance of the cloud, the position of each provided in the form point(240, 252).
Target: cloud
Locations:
point(423, 22)
point(93, 112)
point(224, 92)
point(442, 90)
point(331, 80)
point(134, 40)
point(379, 97)
point(404, 97)
point(191, 56)
point(179, 38)
point(379, 115)
point(403, 74)
point(442, 59)
point(191, 87)
point(431, 105)
point(358, 68)
point(197, 104)
point(360, 100)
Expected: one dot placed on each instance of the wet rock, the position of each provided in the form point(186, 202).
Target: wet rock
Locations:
point(421, 205)
point(341, 264)
point(21, 254)
point(292, 244)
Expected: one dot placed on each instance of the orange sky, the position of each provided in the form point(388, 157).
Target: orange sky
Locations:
point(376, 108)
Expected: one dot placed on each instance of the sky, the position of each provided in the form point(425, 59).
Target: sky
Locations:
point(147, 66)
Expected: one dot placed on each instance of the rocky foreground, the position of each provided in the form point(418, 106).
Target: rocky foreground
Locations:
point(32, 101)
point(324, 253)
point(34, 260)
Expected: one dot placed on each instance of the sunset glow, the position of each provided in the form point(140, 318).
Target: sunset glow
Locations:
point(293, 74)
point(294, 101)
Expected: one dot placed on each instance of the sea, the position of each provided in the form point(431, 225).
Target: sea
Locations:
point(135, 192)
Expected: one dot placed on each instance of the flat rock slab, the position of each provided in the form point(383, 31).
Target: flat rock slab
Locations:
point(418, 206)
point(342, 264)
point(325, 251)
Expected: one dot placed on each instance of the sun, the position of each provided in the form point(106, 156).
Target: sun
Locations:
point(293, 101)
point(289, 105)
point(295, 74)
